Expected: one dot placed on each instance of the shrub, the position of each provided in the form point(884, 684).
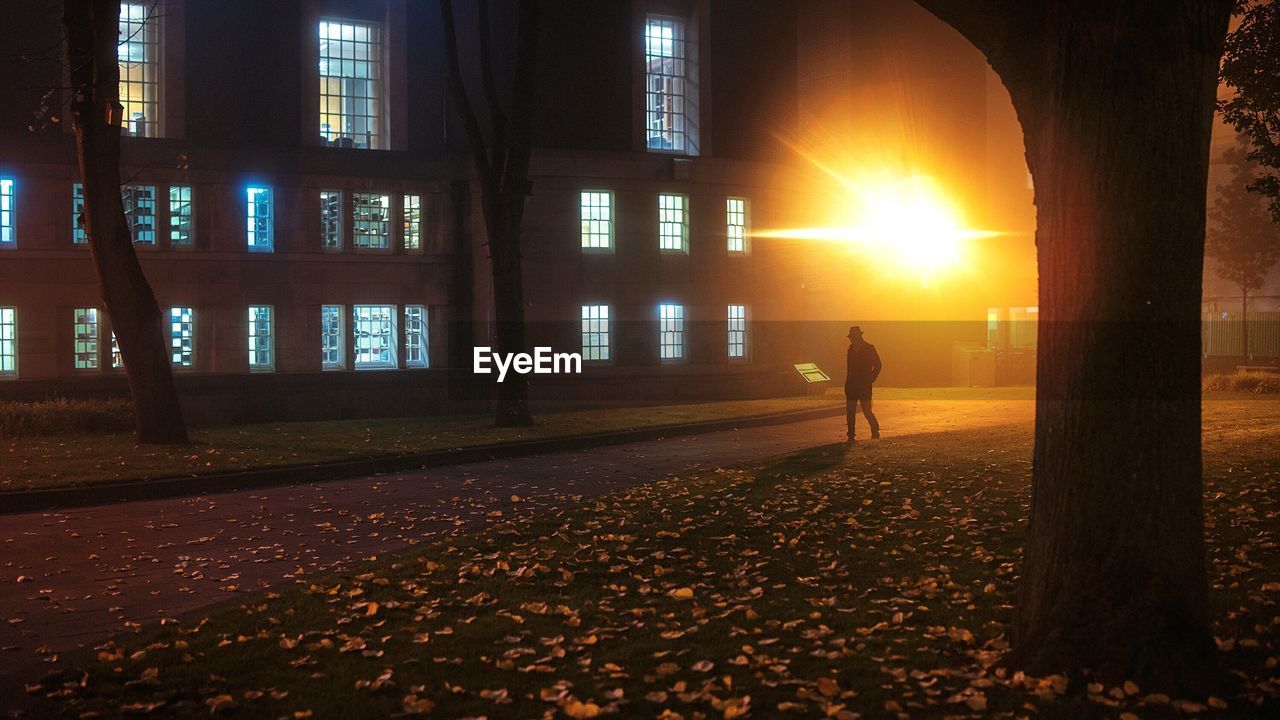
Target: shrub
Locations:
point(61, 416)
point(1244, 381)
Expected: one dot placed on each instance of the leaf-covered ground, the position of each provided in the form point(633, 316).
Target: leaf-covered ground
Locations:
point(873, 581)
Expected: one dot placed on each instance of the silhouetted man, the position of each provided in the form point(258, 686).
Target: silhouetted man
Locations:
point(863, 367)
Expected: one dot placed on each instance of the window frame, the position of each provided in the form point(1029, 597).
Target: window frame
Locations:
point(339, 221)
point(744, 341)
point(377, 101)
point(604, 331)
point(129, 200)
point(92, 346)
point(270, 335)
point(679, 331)
point(730, 213)
point(685, 139)
point(414, 211)
point(190, 216)
point(9, 319)
point(584, 233)
point(683, 223)
point(356, 235)
point(424, 344)
point(340, 339)
point(391, 345)
point(174, 347)
point(154, 127)
point(250, 218)
point(8, 213)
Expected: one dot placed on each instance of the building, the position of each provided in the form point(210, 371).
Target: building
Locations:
point(302, 204)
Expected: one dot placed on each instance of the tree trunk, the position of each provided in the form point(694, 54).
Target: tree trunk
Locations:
point(508, 300)
point(92, 28)
point(1116, 103)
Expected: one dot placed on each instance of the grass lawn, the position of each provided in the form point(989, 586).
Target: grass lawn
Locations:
point(70, 460)
point(873, 581)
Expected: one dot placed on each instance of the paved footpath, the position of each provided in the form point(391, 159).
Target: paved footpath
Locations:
point(69, 579)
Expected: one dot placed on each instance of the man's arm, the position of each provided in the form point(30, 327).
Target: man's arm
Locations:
point(875, 364)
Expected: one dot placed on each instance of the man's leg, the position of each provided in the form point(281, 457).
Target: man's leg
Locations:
point(850, 411)
point(871, 416)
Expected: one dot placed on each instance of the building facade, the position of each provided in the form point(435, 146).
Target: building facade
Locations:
point(303, 205)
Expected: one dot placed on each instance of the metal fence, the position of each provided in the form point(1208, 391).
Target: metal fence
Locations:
point(1222, 334)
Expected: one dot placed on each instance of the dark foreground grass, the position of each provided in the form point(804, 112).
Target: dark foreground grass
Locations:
point(871, 582)
point(68, 460)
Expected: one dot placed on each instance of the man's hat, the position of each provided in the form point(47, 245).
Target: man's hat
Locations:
point(854, 330)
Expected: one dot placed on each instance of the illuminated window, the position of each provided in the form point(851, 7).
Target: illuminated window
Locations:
point(262, 354)
point(412, 223)
point(8, 342)
point(182, 336)
point(351, 84)
point(670, 331)
point(333, 351)
point(737, 331)
point(139, 52)
point(78, 235)
point(8, 231)
point(415, 336)
point(140, 212)
point(673, 222)
point(117, 360)
point(181, 208)
point(736, 222)
point(258, 220)
point(375, 336)
point(331, 219)
point(596, 209)
point(371, 220)
point(670, 96)
point(85, 327)
point(595, 332)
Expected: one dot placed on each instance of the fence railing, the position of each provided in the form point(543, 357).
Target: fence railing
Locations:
point(1222, 334)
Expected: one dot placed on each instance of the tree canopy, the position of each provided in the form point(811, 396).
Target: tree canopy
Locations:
point(1250, 69)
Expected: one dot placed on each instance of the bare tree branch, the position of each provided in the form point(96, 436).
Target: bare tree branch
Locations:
point(458, 90)
point(497, 117)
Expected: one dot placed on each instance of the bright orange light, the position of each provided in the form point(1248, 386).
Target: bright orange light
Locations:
point(908, 226)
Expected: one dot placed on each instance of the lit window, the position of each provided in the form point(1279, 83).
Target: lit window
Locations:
point(350, 84)
point(258, 220)
point(8, 232)
point(182, 337)
point(262, 354)
point(673, 222)
point(8, 342)
point(737, 331)
point(85, 327)
point(78, 235)
point(333, 351)
point(117, 360)
point(375, 336)
point(139, 68)
point(371, 215)
point(181, 208)
point(670, 97)
point(412, 223)
point(596, 210)
point(140, 212)
point(415, 336)
point(736, 220)
point(595, 332)
point(671, 331)
point(331, 219)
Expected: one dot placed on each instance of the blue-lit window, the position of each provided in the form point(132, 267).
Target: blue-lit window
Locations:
point(415, 336)
point(262, 344)
point(78, 235)
point(140, 212)
point(182, 336)
point(85, 326)
point(8, 342)
point(8, 232)
point(259, 218)
point(181, 209)
point(375, 336)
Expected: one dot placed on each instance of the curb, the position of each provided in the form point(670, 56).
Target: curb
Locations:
point(215, 483)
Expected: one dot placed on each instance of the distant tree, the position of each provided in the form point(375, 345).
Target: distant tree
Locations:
point(1251, 68)
point(1242, 238)
point(502, 163)
point(1116, 104)
point(92, 47)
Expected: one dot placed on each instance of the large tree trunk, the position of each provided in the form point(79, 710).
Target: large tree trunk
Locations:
point(1116, 103)
point(92, 28)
